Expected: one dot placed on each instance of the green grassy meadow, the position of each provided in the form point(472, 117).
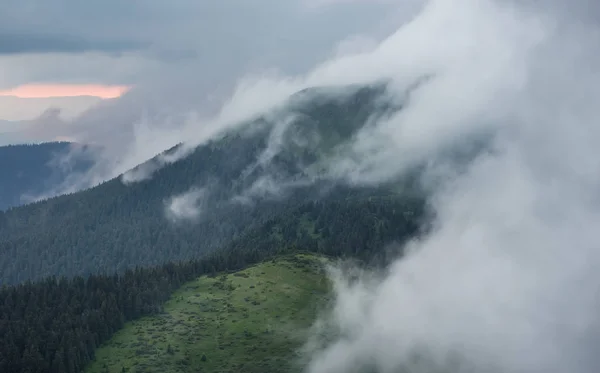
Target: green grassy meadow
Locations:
point(254, 320)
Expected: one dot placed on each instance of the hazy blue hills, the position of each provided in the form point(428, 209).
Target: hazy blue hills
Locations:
point(29, 170)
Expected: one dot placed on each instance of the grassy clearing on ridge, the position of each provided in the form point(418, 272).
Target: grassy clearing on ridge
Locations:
point(253, 320)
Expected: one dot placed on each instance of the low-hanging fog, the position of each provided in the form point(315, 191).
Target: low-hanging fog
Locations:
point(506, 279)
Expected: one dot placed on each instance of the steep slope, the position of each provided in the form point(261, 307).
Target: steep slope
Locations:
point(28, 170)
point(254, 320)
point(236, 183)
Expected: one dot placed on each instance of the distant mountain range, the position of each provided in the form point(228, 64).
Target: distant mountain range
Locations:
point(9, 133)
point(29, 170)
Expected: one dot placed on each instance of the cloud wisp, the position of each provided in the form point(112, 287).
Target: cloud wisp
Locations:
point(187, 205)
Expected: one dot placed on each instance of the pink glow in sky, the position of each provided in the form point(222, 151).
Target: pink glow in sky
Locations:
point(66, 90)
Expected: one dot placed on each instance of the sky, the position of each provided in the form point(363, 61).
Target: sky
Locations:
point(65, 90)
point(177, 53)
point(158, 73)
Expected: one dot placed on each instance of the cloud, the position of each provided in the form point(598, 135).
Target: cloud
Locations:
point(63, 90)
point(126, 68)
point(22, 43)
point(454, 79)
point(505, 281)
point(202, 70)
point(22, 109)
point(186, 38)
point(186, 206)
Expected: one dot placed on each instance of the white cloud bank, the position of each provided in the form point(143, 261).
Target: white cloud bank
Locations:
point(507, 280)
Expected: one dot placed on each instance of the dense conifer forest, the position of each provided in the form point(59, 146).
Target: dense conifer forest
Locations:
point(55, 324)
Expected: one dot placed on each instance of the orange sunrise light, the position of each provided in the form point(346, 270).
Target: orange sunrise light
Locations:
point(66, 90)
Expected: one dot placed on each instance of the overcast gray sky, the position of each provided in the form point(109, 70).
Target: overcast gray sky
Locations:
point(177, 54)
point(123, 42)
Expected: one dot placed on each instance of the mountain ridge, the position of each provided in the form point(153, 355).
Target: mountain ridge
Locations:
point(247, 177)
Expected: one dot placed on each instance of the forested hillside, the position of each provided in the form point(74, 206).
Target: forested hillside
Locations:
point(115, 226)
point(28, 171)
point(57, 324)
